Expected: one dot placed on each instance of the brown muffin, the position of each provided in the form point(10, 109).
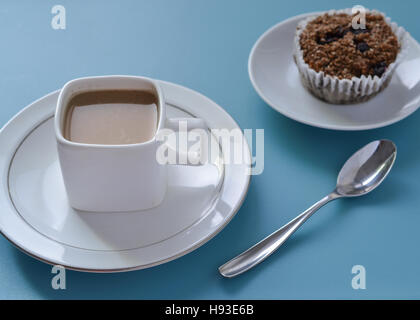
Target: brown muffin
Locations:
point(343, 65)
point(330, 44)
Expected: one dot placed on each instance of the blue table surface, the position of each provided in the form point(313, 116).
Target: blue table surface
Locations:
point(205, 45)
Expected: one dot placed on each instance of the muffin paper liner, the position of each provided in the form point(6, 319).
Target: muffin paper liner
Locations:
point(346, 91)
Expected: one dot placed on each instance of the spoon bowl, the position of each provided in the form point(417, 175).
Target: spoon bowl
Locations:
point(366, 169)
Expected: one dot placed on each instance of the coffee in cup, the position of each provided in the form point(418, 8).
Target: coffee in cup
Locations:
point(111, 117)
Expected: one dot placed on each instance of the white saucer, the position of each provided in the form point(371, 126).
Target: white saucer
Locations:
point(35, 215)
point(276, 79)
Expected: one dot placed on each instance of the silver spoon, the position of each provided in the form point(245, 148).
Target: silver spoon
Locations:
point(361, 174)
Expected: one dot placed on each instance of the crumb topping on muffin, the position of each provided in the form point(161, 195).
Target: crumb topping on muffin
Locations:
point(330, 44)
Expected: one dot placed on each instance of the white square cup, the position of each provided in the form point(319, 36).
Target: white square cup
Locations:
point(114, 178)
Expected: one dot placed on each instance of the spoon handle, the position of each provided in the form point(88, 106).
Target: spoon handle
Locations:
point(269, 245)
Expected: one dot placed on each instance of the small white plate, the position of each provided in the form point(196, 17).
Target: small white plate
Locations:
point(36, 217)
point(276, 79)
